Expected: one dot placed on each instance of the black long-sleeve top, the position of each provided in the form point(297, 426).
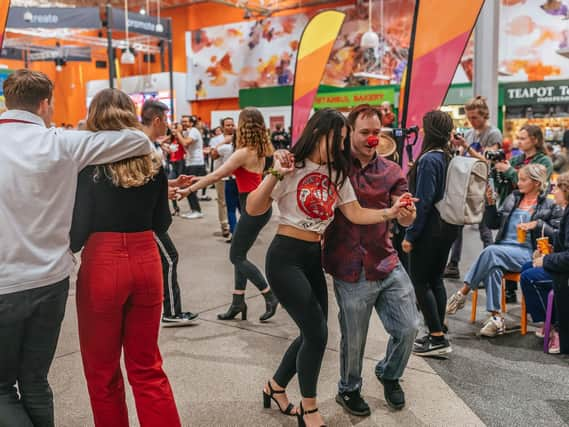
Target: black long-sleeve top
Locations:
point(101, 206)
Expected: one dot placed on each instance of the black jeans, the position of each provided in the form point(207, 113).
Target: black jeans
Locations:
point(246, 232)
point(193, 197)
point(176, 169)
point(30, 322)
point(294, 269)
point(427, 262)
point(169, 258)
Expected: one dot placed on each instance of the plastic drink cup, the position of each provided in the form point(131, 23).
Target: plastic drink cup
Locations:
point(543, 245)
point(522, 234)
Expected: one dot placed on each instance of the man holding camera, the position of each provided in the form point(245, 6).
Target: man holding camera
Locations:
point(483, 137)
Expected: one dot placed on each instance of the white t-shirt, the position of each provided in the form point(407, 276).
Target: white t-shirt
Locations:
point(307, 198)
point(194, 153)
point(225, 151)
point(213, 143)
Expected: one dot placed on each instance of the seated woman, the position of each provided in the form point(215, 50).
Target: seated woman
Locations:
point(527, 209)
point(536, 282)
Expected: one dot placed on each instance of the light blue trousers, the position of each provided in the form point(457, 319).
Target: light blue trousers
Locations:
point(394, 301)
point(490, 267)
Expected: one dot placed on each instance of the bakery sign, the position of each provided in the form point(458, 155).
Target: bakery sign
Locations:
point(546, 92)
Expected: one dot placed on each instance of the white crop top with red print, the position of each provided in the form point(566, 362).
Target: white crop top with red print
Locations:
point(307, 197)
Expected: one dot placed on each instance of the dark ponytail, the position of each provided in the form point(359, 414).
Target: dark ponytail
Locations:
point(437, 128)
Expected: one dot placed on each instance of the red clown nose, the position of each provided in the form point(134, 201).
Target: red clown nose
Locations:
point(372, 141)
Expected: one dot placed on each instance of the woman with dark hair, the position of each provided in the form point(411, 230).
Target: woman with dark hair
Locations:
point(119, 287)
point(429, 239)
point(247, 163)
point(308, 184)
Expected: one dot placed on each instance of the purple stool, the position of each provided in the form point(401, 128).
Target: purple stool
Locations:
point(547, 326)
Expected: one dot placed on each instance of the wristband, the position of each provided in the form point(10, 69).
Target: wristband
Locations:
point(279, 176)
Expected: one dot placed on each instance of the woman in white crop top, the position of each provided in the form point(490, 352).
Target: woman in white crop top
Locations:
point(308, 184)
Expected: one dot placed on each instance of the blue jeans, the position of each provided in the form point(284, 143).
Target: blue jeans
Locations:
point(490, 267)
point(536, 284)
point(232, 203)
point(394, 301)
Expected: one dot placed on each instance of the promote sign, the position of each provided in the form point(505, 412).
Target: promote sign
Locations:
point(342, 99)
point(552, 92)
point(140, 24)
point(54, 17)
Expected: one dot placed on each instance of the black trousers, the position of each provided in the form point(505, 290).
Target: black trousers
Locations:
point(169, 257)
point(30, 322)
point(427, 262)
point(294, 270)
point(561, 290)
point(193, 197)
point(246, 232)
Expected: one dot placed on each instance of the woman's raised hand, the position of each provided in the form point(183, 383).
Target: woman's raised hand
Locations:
point(283, 162)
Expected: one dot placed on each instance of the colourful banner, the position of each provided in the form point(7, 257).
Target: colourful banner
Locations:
point(4, 6)
point(438, 41)
point(314, 50)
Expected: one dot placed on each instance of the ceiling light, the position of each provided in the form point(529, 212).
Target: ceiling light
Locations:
point(159, 28)
point(142, 11)
point(127, 57)
point(370, 40)
point(247, 14)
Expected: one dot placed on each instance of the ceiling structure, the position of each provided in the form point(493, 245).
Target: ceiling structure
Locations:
point(262, 7)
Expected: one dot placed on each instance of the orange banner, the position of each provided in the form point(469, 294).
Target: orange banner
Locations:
point(4, 6)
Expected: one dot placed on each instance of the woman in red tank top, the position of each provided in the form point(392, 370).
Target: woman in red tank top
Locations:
point(246, 164)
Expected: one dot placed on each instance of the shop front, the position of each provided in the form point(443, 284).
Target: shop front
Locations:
point(545, 104)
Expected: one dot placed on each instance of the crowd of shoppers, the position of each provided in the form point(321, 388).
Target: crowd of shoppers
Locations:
point(105, 191)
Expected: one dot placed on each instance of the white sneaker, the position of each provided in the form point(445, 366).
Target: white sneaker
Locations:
point(192, 215)
point(455, 302)
point(493, 326)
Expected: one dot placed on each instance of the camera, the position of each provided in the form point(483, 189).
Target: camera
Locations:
point(495, 155)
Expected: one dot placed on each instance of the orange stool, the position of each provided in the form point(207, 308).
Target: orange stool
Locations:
point(514, 277)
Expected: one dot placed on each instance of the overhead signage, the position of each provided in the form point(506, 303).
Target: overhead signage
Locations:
point(140, 24)
point(342, 98)
point(54, 17)
point(545, 92)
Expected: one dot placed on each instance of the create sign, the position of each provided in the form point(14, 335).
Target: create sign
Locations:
point(556, 92)
point(340, 99)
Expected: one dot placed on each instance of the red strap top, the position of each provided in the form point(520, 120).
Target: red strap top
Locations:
point(247, 181)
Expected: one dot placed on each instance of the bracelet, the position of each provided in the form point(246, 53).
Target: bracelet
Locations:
point(279, 176)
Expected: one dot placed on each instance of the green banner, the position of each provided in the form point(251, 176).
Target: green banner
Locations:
point(350, 98)
point(546, 92)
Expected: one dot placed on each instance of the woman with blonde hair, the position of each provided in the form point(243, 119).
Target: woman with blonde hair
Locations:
point(119, 287)
point(550, 270)
point(525, 215)
point(247, 163)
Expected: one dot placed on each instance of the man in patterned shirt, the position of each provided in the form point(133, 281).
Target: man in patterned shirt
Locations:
point(367, 273)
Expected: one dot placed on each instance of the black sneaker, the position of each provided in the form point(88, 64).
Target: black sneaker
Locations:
point(393, 393)
point(511, 297)
point(205, 199)
point(353, 402)
point(181, 319)
point(433, 347)
point(451, 271)
point(421, 341)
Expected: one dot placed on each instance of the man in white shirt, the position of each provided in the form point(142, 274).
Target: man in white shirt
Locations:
point(38, 180)
point(227, 127)
point(192, 141)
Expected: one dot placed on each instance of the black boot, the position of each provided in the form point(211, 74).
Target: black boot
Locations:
point(237, 306)
point(271, 304)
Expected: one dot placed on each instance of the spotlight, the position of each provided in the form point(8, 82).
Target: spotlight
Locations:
point(142, 11)
point(59, 63)
point(370, 40)
point(127, 57)
point(159, 28)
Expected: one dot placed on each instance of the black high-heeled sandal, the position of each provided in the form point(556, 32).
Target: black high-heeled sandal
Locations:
point(268, 397)
point(300, 416)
